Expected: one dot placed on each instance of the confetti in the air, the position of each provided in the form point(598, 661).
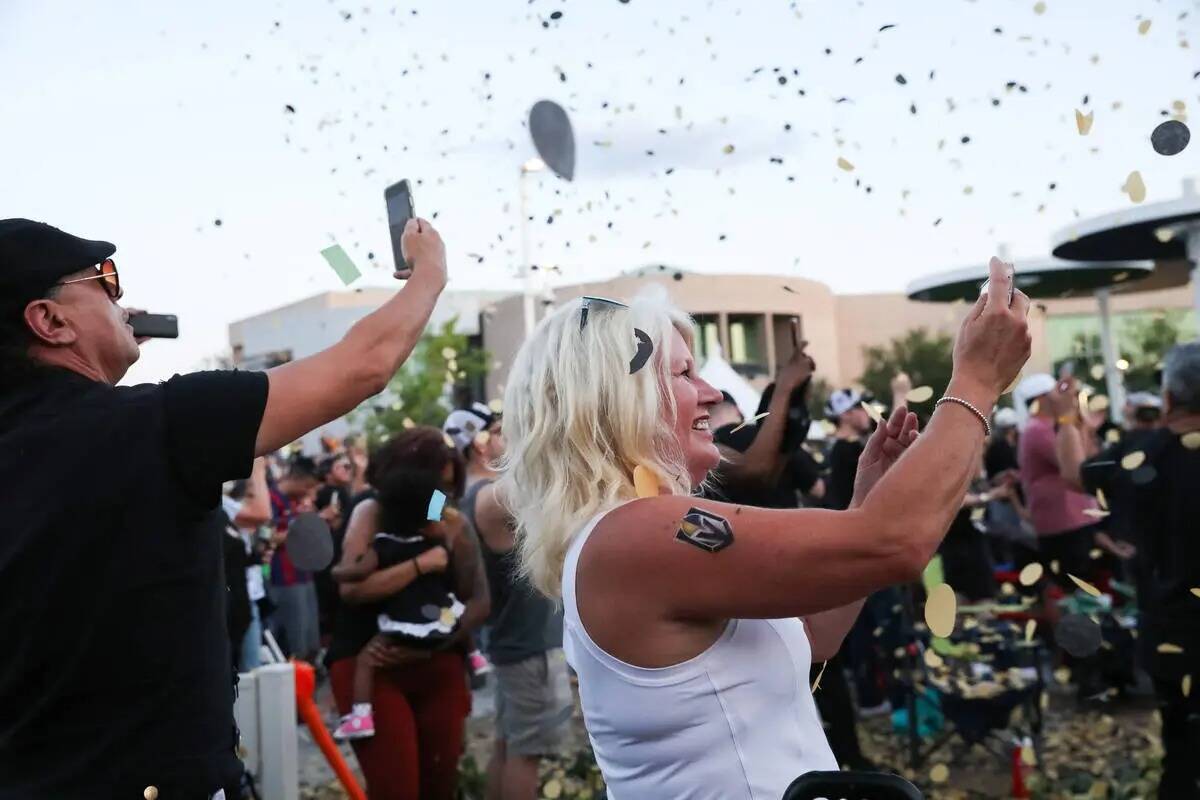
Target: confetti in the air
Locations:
point(437, 501)
point(933, 660)
point(1169, 649)
point(920, 394)
point(1135, 187)
point(939, 774)
point(1030, 574)
point(1084, 585)
point(1095, 513)
point(1084, 121)
point(1144, 27)
point(341, 264)
point(844, 164)
point(496, 405)
point(1170, 138)
point(940, 609)
point(752, 421)
point(817, 683)
point(644, 482)
point(1039, 7)
point(1185, 685)
point(1191, 440)
point(872, 411)
point(1030, 629)
point(1133, 460)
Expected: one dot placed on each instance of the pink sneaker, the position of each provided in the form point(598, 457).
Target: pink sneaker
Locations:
point(355, 726)
point(478, 664)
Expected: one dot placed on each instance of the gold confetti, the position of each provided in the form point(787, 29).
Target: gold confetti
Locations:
point(1031, 573)
point(1063, 675)
point(1007, 589)
point(940, 773)
point(1098, 403)
point(1112, 436)
point(940, 610)
point(449, 442)
point(449, 353)
point(151, 793)
point(447, 617)
point(1133, 460)
point(1012, 385)
point(1095, 553)
point(1054, 566)
point(1084, 121)
point(933, 660)
point(1097, 372)
point(644, 482)
point(1030, 629)
point(1095, 513)
point(1039, 7)
point(1035, 407)
point(482, 438)
point(553, 789)
point(1028, 755)
point(844, 164)
point(1191, 440)
point(408, 423)
point(496, 405)
point(753, 420)
point(872, 411)
point(1195, 590)
point(1166, 648)
point(920, 394)
point(1135, 187)
point(727, 149)
point(1185, 685)
point(1144, 27)
point(1101, 499)
point(817, 683)
point(1082, 584)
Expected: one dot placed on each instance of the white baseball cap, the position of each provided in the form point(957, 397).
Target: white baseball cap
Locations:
point(1005, 418)
point(841, 401)
point(463, 424)
point(1035, 385)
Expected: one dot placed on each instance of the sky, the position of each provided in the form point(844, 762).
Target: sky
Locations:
point(708, 135)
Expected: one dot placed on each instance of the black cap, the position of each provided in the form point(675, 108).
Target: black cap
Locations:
point(34, 255)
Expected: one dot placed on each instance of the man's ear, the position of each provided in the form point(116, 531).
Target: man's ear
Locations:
point(48, 325)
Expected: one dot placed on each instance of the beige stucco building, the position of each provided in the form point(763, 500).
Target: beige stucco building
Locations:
point(749, 317)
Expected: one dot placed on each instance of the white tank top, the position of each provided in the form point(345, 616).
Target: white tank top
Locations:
point(736, 721)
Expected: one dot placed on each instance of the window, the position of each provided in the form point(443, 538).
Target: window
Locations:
point(708, 335)
point(748, 343)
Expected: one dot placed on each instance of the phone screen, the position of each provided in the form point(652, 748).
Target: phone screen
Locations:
point(400, 210)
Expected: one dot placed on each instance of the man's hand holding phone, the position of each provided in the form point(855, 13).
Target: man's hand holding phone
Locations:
point(425, 251)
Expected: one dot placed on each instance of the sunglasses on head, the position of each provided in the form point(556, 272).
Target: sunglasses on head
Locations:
point(586, 303)
point(106, 273)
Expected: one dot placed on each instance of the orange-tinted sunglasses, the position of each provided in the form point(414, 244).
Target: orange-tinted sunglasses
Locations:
point(106, 271)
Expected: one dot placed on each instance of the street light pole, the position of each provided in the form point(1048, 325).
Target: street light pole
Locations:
point(532, 165)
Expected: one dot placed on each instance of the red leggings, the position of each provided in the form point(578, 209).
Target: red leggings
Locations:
point(420, 714)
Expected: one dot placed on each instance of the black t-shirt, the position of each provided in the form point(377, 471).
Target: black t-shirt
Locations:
point(1164, 498)
point(843, 466)
point(353, 625)
point(1000, 456)
point(800, 473)
point(117, 673)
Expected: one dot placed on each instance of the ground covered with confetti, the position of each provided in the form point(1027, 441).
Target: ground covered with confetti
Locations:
point(1108, 751)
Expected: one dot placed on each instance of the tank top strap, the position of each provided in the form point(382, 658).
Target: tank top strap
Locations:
point(571, 562)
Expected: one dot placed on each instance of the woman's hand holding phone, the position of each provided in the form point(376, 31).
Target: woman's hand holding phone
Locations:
point(425, 252)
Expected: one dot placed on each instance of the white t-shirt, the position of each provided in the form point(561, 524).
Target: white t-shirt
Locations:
point(254, 575)
point(736, 721)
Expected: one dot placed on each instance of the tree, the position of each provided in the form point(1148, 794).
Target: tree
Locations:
point(926, 357)
point(438, 375)
point(1145, 340)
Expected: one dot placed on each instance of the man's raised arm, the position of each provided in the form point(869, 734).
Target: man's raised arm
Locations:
point(308, 393)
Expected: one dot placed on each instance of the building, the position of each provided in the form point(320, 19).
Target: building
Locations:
point(748, 316)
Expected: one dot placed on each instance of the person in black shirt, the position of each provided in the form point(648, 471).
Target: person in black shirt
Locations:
point(1161, 506)
point(117, 671)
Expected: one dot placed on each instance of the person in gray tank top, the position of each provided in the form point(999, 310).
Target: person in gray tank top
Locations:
point(524, 632)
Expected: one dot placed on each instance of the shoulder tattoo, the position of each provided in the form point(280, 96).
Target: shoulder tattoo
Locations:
point(705, 530)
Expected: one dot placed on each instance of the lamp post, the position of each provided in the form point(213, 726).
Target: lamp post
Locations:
point(532, 165)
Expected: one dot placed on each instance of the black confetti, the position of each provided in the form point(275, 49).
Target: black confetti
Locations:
point(291, 109)
point(217, 222)
point(966, 140)
point(886, 27)
point(556, 15)
point(912, 108)
point(782, 80)
point(789, 289)
point(1170, 138)
point(900, 79)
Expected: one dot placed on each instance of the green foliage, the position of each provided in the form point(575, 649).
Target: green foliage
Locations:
point(926, 357)
point(1145, 341)
point(437, 376)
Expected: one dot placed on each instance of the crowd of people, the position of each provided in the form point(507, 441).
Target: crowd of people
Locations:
point(620, 522)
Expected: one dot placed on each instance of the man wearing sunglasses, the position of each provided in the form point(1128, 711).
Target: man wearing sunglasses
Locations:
point(116, 675)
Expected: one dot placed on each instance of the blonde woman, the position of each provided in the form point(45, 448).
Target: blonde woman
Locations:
point(692, 623)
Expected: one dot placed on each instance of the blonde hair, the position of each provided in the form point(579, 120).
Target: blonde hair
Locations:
point(576, 423)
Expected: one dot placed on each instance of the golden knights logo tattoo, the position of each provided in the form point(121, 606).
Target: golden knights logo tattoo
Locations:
point(705, 530)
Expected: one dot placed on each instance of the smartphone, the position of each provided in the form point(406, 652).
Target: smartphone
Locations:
point(400, 210)
point(156, 326)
